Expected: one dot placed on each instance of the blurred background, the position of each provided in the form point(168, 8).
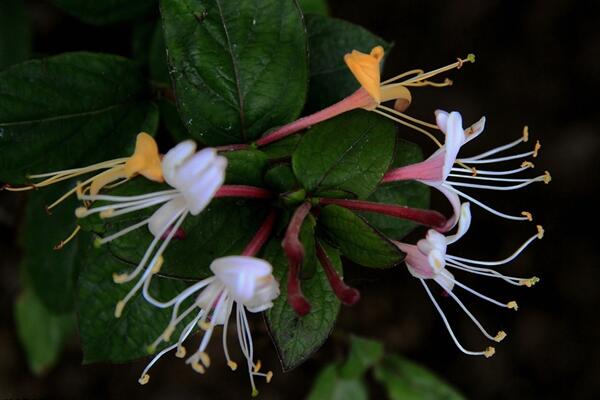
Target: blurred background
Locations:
point(538, 64)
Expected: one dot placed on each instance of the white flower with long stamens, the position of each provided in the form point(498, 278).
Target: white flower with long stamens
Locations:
point(439, 167)
point(428, 260)
point(195, 177)
point(247, 283)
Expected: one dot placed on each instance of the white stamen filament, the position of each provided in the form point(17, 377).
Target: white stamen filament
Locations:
point(408, 117)
point(417, 128)
point(485, 206)
point(486, 272)
point(79, 171)
point(526, 182)
point(123, 232)
point(485, 172)
point(497, 150)
point(474, 292)
point(499, 262)
point(119, 199)
point(477, 160)
point(471, 316)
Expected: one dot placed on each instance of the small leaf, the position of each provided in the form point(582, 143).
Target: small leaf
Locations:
point(102, 12)
point(314, 7)
point(106, 338)
point(407, 193)
point(350, 152)
point(239, 67)
point(281, 178)
point(282, 149)
point(246, 167)
point(71, 110)
point(328, 40)
point(405, 380)
point(296, 338)
point(328, 385)
point(42, 333)
point(364, 354)
point(357, 240)
point(15, 33)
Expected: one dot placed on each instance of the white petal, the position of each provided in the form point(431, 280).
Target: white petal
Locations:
point(157, 224)
point(202, 189)
point(475, 130)
point(175, 158)
point(464, 222)
point(441, 118)
point(196, 164)
point(455, 138)
point(242, 275)
point(445, 280)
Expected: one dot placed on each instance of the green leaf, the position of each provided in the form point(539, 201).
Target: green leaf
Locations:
point(357, 240)
point(171, 121)
point(329, 386)
point(157, 58)
point(52, 273)
point(102, 12)
point(282, 149)
point(350, 152)
point(246, 167)
point(296, 338)
point(239, 67)
point(281, 178)
point(364, 354)
point(314, 6)
point(407, 193)
point(328, 40)
point(405, 380)
point(15, 33)
point(42, 333)
point(106, 338)
point(71, 110)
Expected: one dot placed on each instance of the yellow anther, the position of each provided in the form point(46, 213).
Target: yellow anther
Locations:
point(119, 309)
point(500, 336)
point(513, 305)
point(525, 133)
point(204, 325)
point(471, 58)
point(81, 212)
point(547, 177)
point(205, 359)
point(527, 164)
point(158, 264)
point(536, 148)
point(196, 366)
point(232, 365)
point(490, 351)
point(97, 243)
point(269, 376)
point(540, 233)
point(181, 352)
point(529, 282)
point(254, 392)
point(168, 332)
point(144, 379)
point(257, 366)
point(107, 213)
point(528, 215)
point(120, 278)
point(473, 171)
point(151, 349)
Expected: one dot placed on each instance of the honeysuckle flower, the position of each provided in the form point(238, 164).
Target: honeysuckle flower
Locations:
point(244, 281)
point(144, 161)
point(372, 93)
point(439, 167)
point(428, 260)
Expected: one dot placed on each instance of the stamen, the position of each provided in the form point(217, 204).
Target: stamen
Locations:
point(485, 206)
point(537, 148)
point(144, 379)
point(525, 133)
point(408, 117)
point(427, 75)
point(527, 215)
point(512, 305)
point(470, 315)
point(500, 336)
point(496, 150)
point(416, 128)
point(490, 351)
point(476, 293)
point(529, 282)
point(63, 242)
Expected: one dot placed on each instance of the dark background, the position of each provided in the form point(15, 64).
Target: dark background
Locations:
point(538, 63)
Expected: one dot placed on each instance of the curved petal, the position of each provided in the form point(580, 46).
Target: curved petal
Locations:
point(455, 138)
point(454, 201)
point(464, 222)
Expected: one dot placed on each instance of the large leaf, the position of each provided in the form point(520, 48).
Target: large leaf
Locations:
point(239, 67)
point(106, 338)
point(406, 193)
point(349, 153)
point(70, 110)
point(329, 385)
point(364, 354)
point(42, 333)
point(314, 6)
point(328, 40)
point(52, 273)
point(405, 380)
point(357, 240)
point(100, 12)
point(246, 167)
point(15, 33)
point(296, 338)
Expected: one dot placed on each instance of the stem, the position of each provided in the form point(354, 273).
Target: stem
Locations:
point(428, 218)
point(348, 295)
point(261, 236)
point(358, 99)
point(252, 192)
point(232, 147)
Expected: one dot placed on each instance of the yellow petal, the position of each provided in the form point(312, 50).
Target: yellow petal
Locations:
point(145, 160)
point(365, 68)
point(396, 92)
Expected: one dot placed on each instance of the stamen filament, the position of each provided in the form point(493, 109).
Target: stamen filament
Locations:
point(485, 206)
point(421, 77)
point(471, 316)
point(418, 129)
point(476, 293)
point(493, 160)
point(408, 117)
point(498, 149)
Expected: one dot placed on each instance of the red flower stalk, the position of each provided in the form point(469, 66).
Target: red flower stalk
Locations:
point(252, 192)
point(347, 295)
point(261, 236)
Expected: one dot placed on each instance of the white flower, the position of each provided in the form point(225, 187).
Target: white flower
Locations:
point(195, 178)
point(247, 283)
point(428, 259)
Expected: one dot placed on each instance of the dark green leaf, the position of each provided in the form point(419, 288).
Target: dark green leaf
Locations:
point(328, 40)
point(281, 178)
point(314, 6)
point(15, 33)
point(106, 338)
point(283, 148)
point(52, 273)
point(296, 338)
point(70, 110)
point(246, 167)
point(171, 120)
point(101, 12)
point(364, 354)
point(329, 386)
point(350, 152)
point(239, 67)
point(157, 64)
point(357, 240)
point(41, 332)
point(408, 193)
point(405, 380)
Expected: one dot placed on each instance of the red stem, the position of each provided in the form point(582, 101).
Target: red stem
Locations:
point(252, 192)
point(358, 99)
point(294, 251)
point(429, 218)
point(348, 295)
point(261, 236)
point(232, 147)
